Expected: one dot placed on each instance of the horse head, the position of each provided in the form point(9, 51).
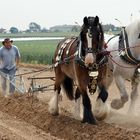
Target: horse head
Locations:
point(92, 38)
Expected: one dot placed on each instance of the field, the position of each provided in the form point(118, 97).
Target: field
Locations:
point(37, 52)
point(39, 34)
point(23, 117)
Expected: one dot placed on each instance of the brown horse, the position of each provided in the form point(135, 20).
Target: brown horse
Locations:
point(75, 58)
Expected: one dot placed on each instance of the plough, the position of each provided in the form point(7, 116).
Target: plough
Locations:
point(19, 84)
point(35, 88)
point(35, 85)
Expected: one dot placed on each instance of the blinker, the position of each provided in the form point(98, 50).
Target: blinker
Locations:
point(139, 36)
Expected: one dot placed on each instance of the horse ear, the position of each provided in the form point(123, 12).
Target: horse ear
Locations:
point(96, 20)
point(85, 20)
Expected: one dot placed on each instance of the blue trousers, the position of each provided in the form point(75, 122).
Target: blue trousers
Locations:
point(11, 74)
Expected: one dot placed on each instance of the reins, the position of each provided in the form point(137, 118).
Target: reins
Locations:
point(108, 53)
point(119, 50)
point(120, 64)
point(44, 69)
point(105, 53)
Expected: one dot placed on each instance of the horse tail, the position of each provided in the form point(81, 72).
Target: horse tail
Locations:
point(68, 87)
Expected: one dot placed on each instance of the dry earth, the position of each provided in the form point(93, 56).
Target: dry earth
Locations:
point(23, 117)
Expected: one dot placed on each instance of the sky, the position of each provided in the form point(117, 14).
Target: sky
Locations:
point(47, 13)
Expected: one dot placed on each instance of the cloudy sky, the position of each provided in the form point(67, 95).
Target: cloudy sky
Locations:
point(47, 13)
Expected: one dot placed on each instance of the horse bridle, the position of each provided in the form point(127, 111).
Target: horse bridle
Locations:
point(124, 49)
point(90, 35)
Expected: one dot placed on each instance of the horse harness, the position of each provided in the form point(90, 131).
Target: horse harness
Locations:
point(79, 59)
point(125, 53)
point(67, 43)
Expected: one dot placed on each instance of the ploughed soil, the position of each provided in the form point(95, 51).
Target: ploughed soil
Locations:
point(26, 117)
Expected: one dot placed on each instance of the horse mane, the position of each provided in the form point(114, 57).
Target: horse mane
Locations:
point(102, 36)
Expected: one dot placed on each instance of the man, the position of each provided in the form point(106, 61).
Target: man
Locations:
point(9, 57)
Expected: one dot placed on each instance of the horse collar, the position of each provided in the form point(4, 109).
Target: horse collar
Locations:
point(124, 49)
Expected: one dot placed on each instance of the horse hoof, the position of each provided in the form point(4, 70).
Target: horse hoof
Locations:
point(94, 122)
point(101, 110)
point(124, 99)
point(55, 114)
point(101, 117)
point(117, 104)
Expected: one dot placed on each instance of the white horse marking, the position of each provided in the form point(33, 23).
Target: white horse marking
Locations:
point(53, 104)
point(89, 59)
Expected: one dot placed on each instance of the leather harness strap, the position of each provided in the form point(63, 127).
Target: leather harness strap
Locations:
point(124, 49)
point(67, 43)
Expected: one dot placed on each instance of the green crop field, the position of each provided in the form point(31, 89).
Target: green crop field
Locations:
point(39, 52)
point(39, 34)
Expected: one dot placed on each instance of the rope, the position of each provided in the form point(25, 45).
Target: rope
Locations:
point(115, 50)
point(125, 49)
point(34, 71)
point(119, 64)
point(68, 58)
point(105, 53)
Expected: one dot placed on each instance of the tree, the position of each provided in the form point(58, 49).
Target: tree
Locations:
point(44, 30)
point(2, 30)
point(13, 30)
point(108, 27)
point(34, 27)
point(75, 29)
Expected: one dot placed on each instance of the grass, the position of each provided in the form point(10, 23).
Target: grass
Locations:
point(38, 34)
point(40, 51)
point(37, 52)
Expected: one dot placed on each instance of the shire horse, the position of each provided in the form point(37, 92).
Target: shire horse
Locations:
point(74, 59)
point(125, 64)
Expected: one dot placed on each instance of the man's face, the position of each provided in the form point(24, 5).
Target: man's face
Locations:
point(8, 44)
